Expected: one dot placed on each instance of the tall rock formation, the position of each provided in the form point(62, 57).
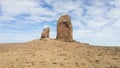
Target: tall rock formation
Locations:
point(64, 29)
point(45, 33)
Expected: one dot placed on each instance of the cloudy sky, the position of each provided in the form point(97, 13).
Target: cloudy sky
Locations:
point(94, 21)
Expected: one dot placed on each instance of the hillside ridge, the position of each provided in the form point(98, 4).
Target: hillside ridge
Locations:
point(58, 54)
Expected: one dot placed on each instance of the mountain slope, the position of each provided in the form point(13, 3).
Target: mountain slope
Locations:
point(58, 54)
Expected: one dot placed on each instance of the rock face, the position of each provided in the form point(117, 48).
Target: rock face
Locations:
point(64, 29)
point(45, 33)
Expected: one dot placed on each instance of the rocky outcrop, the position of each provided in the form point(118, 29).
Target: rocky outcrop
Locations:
point(64, 29)
point(45, 33)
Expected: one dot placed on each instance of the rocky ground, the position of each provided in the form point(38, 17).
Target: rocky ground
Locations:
point(57, 54)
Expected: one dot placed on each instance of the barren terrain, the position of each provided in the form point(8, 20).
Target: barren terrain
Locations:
point(58, 54)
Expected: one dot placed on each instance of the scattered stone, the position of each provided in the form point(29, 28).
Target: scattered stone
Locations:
point(64, 29)
point(97, 61)
point(54, 63)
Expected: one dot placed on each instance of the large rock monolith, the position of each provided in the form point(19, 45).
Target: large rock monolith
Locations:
point(64, 29)
point(45, 33)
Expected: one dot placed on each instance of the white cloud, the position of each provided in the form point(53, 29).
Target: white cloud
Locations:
point(6, 18)
point(65, 6)
point(97, 21)
point(114, 13)
point(117, 24)
point(107, 36)
point(13, 36)
point(115, 2)
point(96, 11)
point(40, 11)
point(83, 33)
point(16, 7)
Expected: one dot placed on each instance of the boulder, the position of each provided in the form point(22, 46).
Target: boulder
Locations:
point(45, 33)
point(64, 29)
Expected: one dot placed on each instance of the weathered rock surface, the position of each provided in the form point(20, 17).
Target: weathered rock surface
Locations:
point(45, 33)
point(64, 29)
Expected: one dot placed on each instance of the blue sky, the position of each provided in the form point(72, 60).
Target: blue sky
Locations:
point(95, 22)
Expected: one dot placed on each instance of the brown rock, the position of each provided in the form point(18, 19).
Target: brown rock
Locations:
point(64, 29)
point(45, 33)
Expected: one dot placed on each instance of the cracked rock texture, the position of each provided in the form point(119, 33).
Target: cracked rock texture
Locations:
point(64, 29)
